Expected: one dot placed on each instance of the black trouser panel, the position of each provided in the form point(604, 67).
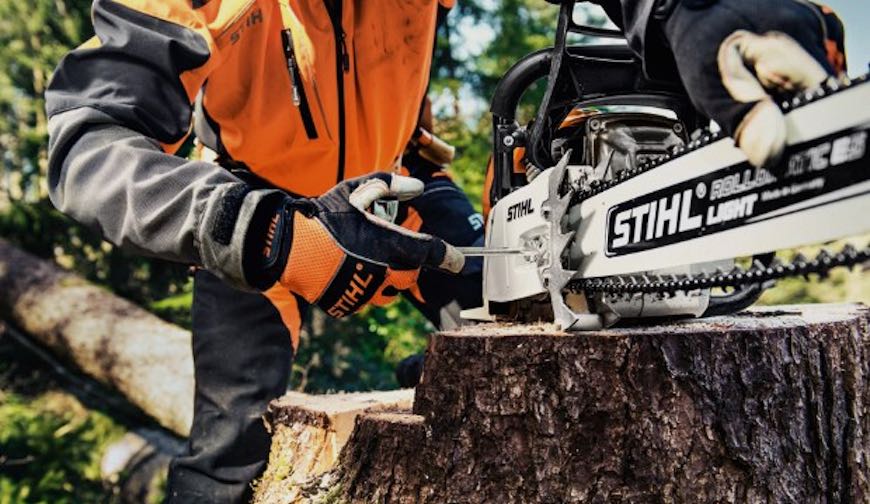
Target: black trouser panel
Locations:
point(242, 357)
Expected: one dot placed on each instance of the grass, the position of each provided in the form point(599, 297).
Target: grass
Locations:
point(840, 286)
point(50, 449)
point(50, 444)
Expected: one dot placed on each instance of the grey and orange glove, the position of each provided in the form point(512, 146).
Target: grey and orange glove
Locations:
point(733, 55)
point(336, 253)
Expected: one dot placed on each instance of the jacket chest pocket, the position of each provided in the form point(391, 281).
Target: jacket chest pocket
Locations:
point(302, 97)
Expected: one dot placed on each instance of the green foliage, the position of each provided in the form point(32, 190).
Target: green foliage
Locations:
point(841, 284)
point(360, 352)
point(33, 37)
point(50, 449)
point(521, 27)
point(176, 308)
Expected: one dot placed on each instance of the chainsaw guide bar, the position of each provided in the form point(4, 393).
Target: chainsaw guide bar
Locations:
point(759, 272)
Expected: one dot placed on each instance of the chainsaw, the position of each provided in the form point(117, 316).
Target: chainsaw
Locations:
point(630, 206)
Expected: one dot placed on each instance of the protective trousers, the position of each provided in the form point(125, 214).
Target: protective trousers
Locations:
point(242, 353)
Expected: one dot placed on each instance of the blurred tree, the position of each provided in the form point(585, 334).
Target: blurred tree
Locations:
point(33, 38)
point(34, 35)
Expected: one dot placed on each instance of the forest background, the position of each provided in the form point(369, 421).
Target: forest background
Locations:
point(58, 440)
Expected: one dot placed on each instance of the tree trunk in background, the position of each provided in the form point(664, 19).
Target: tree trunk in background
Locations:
point(765, 406)
point(111, 339)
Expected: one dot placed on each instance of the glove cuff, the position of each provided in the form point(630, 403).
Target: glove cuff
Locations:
point(267, 243)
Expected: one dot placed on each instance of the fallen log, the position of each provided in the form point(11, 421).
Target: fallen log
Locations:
point(137, 464)
point(110, 339)
point(134, 466)
point(764, 406)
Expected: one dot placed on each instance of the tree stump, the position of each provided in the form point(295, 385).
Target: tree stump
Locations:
point(765, 406)
point(308, 434)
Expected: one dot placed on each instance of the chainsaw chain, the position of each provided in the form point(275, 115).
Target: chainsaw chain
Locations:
point(758, 273)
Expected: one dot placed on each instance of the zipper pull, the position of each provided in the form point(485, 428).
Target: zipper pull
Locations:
point(292, 67)
point(345, 55)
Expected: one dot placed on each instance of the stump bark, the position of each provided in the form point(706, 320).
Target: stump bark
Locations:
point(110, 339)
point(765, 406)
point(308, 434)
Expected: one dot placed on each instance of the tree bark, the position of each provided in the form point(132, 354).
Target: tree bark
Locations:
point(765, 406)
point(114, 341)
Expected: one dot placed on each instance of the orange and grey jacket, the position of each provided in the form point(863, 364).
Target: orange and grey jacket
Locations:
point(304, 93)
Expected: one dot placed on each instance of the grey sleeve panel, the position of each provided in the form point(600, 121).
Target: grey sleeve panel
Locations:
point(109, 106)
point(134, 75)
point(120, 183)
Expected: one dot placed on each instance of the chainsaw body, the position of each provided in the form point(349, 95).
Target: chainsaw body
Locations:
point(628, 208)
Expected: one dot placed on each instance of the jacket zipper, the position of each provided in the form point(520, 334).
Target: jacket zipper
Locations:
point(300, 100)
point(342, 66)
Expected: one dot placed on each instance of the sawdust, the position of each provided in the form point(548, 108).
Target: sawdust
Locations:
point(501, 329)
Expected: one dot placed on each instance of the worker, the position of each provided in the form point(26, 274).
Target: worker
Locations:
point(309, 107)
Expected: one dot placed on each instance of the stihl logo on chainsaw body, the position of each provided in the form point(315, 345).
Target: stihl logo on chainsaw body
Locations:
point(736, 195)
point(520, 209)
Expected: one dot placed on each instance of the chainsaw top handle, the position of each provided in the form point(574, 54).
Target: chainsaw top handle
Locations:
point(575, 74)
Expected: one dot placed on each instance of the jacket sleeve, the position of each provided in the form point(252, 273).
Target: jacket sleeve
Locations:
point(637, 19)
point(118, 107)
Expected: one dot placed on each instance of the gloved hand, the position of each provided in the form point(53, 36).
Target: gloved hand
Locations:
point(751, 65)
point(410, 370)
point(335, 253)
point(732, 54)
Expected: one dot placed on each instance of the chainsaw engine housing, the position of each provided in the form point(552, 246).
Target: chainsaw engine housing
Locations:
point(600, 117)
point(615, 212)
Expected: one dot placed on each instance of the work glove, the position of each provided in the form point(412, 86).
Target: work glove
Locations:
point(335, 252)
point(751, 66)
point(410, 370)
point(732, 61)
